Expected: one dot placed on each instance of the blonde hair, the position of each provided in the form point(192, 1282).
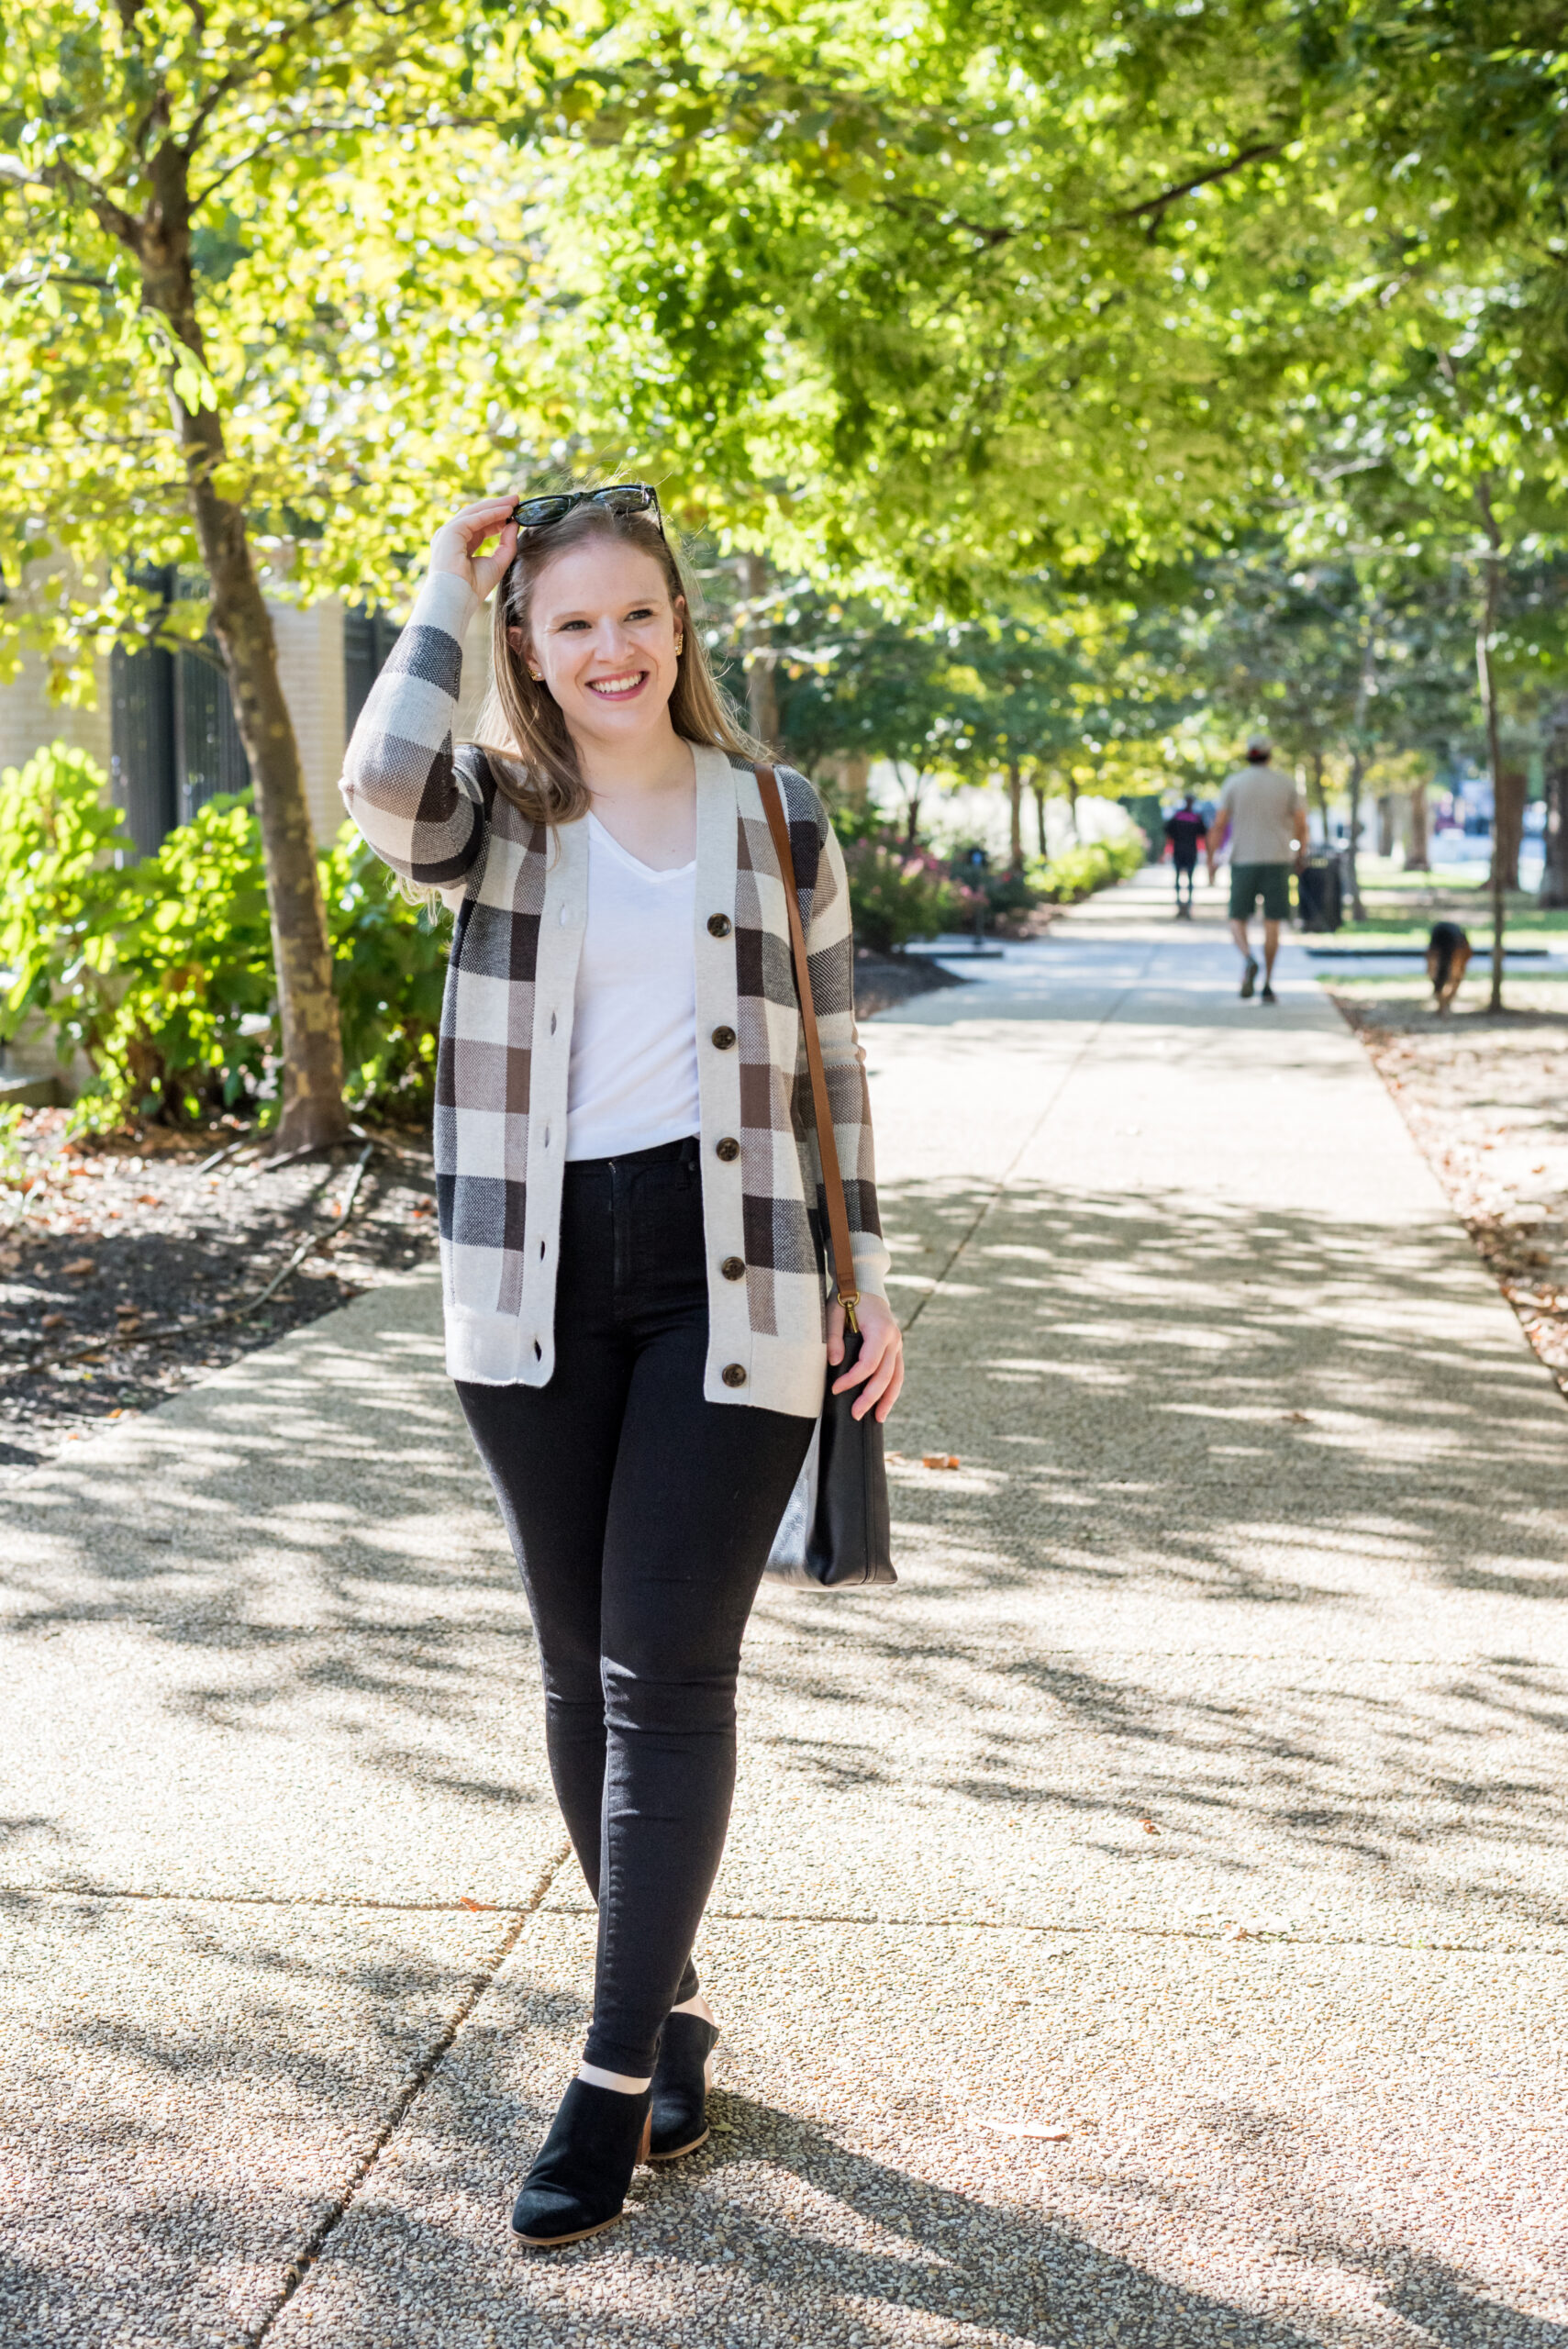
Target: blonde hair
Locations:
point(520, 720)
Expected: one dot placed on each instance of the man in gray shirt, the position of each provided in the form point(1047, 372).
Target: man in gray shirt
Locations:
point(1261, 811)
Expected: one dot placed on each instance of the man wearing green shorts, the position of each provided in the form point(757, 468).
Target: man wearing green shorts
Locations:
point(1262, 812)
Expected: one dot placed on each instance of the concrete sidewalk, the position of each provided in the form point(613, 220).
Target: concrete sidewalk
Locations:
point(1147, 1925)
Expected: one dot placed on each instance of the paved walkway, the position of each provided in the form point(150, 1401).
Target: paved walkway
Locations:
point(1146, 1926)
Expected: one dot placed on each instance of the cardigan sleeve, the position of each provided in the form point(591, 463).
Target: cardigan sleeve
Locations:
point(830, 949)
point(421, 809)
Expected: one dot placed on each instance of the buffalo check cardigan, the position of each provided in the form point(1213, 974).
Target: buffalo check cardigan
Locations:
point(520, 891)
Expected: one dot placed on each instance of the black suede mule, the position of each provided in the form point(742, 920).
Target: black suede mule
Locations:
point(578, 2182)
point(682, 2079)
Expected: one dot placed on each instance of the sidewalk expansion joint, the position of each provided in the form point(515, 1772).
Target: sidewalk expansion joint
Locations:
point(1224, 1935)
point(1270, 1936)
point(408, 2095)
point(350, 1900)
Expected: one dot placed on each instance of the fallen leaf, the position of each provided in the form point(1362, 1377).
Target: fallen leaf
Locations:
point(116, 1414)
point(146, 1200)
point(1149, 1827)
point(1050, 2134)
point(939, 1460)
point(473, 1906)
point(81, 1268)
point(53, 1321)
point(1295, 1415)
point(1237, 1933)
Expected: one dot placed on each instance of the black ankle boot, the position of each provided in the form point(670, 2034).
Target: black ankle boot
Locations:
point(680, 2087)
point(578, 2182)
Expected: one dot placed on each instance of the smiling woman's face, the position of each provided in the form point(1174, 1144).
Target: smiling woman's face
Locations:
point(603, 632)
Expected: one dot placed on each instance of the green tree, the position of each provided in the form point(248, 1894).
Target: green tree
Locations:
point(949, 300)
point(262, 303)
point(855, 684)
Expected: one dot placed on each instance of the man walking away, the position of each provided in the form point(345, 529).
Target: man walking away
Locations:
point(1186, 833)
point(1263, 814)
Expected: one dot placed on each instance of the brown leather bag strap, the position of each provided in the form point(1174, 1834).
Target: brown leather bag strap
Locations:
point(826, 1142)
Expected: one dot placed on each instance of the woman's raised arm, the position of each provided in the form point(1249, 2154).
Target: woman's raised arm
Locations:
point(423, 814)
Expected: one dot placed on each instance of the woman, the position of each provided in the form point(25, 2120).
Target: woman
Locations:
point(631, 1241)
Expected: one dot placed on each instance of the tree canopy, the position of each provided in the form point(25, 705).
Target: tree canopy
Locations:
point(983, 317)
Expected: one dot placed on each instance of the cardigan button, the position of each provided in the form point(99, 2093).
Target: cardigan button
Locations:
point(734, 1268)
point(728, 1148)
point(718, 925)
point(724, 1038)
point(734, 1374)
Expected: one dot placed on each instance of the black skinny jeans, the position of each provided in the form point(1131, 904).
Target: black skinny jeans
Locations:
point(642, 1517)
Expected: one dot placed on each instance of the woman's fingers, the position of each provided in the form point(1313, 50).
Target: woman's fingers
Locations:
point(881, 1388)
point(878, 1369)
point(489, 568)
point(452, 548)
point(880, 1395)
point(875, 1362)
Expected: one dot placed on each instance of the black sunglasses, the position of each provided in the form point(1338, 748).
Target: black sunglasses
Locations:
point(620, 497)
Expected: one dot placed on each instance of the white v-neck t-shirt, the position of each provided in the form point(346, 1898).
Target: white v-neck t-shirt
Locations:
point(634, 1025)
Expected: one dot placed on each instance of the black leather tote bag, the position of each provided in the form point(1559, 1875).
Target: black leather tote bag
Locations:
point(835, 1533)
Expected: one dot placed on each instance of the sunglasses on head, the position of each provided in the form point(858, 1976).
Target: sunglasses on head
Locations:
point(620, 497)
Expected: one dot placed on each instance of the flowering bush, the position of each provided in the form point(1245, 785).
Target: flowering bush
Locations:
point(896, 895)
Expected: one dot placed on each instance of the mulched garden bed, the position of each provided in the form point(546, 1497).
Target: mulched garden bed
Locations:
point(104, 1245)
point(883, 980)
point(1484, 1097)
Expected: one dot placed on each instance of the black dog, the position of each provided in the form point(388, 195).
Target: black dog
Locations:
point(1448, 959)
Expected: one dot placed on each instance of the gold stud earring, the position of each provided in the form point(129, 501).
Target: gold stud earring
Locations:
point(537, 675)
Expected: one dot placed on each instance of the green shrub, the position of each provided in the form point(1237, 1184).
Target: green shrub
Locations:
point(60, 895)
point(895, 897)
point(1076, 871)
point(193, 950)
point(161, 972)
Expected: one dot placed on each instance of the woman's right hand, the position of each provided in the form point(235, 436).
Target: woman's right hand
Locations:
point(454, 546)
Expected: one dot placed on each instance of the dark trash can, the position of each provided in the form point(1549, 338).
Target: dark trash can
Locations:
point(1320, 892)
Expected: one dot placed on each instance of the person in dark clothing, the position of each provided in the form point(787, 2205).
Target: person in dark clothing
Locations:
point(1186, 831)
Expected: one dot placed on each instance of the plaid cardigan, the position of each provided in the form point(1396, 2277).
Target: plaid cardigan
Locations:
point(520, 891)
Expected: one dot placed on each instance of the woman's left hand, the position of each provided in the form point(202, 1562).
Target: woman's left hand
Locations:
point(880, 1363)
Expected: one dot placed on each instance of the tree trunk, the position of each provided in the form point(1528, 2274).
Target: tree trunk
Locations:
point(1357, 911)
point(1072, 805)
point(1386, 823)
point(1489, 708)
point(1554, 871)
point(1508, 821)
point(313, 1111)
point(1418, 842)
point(1041, 829)
point(761, 682)
point(1015, 817)
point(912, 796)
